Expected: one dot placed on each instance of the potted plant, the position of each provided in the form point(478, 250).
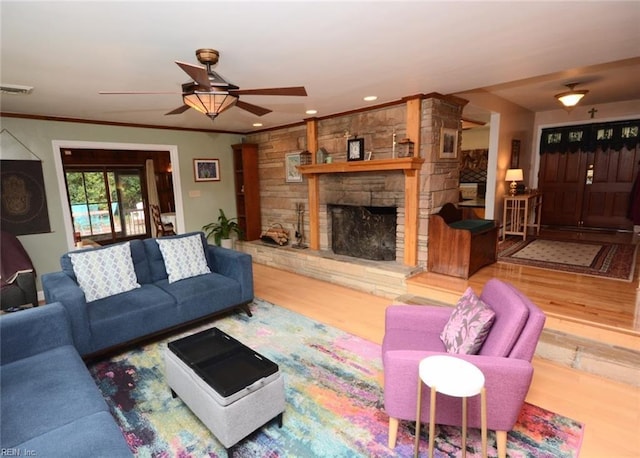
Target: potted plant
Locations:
point(221, 230)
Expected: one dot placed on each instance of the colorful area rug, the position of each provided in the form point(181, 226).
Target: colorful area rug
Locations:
point(606, 260)
point(334, 398)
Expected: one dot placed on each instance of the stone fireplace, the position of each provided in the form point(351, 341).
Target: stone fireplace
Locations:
point(363, 231)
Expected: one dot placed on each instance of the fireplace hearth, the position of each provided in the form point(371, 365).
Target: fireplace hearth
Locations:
point(364, 232)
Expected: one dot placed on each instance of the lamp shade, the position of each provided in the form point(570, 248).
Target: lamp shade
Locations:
point(210, 103)
point(571, 97)
point(514, 175)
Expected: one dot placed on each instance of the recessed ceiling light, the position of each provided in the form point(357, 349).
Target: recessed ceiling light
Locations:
point(371, 98)
point(311, 111)
point(257, 124)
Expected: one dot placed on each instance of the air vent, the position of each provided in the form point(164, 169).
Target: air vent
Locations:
point(15, 89)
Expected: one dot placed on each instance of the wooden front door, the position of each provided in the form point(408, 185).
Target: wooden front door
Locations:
point(587, 174)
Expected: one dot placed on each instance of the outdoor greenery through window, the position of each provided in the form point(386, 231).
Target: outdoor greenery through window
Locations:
point(106, 205)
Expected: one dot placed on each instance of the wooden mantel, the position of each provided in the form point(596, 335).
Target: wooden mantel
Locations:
point(376, 165)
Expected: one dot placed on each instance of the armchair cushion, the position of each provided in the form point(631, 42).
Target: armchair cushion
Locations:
point(468, 325)
point(104, 272)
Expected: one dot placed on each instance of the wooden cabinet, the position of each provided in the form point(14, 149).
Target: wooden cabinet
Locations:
point(247, 188)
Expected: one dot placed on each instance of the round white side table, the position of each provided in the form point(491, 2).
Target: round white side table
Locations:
point(453, 377)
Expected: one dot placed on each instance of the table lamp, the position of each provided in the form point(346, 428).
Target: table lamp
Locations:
point(513, 175)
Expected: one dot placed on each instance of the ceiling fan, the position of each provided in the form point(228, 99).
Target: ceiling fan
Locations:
point(211, 94)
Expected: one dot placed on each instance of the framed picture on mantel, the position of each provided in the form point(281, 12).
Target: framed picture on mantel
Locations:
point(355, 149)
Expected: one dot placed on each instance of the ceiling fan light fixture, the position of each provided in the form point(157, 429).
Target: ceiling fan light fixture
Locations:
point(571, 97)
point(210, 103)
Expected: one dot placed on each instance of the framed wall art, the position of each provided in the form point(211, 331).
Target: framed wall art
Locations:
point(291, 172)
point(206, 169)
point(355, 149)
point(448, 143)
point(515, 154)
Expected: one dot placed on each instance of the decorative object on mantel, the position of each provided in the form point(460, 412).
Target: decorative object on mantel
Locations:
point(321, 155)
point(405, 148)
point(291, 171)
point(355, 149)
point(24, 201)
point(305, 158)
point(448, 143)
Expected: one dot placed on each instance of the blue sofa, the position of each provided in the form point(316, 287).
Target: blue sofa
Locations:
point(49, 404)
point(157, 305)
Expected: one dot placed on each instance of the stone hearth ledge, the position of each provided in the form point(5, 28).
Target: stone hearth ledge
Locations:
point(381, 278)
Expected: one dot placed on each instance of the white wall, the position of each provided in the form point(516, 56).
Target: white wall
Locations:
point(200, 201)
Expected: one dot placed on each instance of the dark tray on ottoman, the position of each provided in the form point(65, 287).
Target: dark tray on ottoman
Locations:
point(226, 364)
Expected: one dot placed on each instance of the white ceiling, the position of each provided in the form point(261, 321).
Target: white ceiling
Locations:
point(340, 51)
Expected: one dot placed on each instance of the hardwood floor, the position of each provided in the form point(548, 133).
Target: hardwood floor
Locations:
point(610, 410)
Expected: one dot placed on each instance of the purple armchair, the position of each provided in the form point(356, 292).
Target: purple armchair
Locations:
point(413, 333)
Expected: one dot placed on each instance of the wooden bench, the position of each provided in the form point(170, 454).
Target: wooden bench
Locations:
point(459, 246)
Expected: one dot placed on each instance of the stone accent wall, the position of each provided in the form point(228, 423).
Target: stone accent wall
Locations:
point(438, 177)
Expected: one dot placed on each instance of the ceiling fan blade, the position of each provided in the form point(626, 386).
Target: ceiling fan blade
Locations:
point(137, 92)
point(295, 90)
point(255, 109)
point(197, 73)
point(178, 110)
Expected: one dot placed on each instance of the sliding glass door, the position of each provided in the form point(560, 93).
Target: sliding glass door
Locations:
point(107, 204)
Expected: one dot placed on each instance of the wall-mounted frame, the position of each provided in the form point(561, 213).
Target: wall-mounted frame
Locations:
point(291, 171)
point(355, 149)
point(448, 143)
point(206, 169)
point(515, 154)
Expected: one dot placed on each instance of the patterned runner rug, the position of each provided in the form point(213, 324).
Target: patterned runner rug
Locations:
point(607, 260)
point(333, 383)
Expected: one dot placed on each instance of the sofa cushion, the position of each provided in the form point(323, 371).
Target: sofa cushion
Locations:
point(184, 257)
point(96, 435)
point(105, 271)
point(123, 317)
point(203, 295)
point(43, 392)
point(468, 325)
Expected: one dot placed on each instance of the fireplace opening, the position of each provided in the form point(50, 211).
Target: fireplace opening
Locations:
point(364, 232)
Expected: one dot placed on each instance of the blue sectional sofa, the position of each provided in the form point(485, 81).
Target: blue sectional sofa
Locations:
point(158, 304)
point(49, 404)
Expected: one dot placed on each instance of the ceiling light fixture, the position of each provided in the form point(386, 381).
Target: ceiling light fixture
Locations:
point(370, 98)
point(257, 124)
point(210, 103)
point(311, 111)
point(570, 98)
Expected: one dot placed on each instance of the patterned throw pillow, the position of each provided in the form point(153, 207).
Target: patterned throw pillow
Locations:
point(468, 325)
point(183, 257)
point(104, 272)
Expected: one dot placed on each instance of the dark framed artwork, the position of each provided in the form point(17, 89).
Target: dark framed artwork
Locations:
point(24, 202)
point(448, 143)
point(206, 169)
point(355, 149)
point(515, 154)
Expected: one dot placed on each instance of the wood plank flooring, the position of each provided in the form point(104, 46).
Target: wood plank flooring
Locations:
point(610, 410)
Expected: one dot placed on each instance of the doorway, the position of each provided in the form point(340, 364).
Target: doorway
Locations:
point(587, 174)
point(170, 176)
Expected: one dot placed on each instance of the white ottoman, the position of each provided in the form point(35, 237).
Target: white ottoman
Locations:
point(230, 418)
